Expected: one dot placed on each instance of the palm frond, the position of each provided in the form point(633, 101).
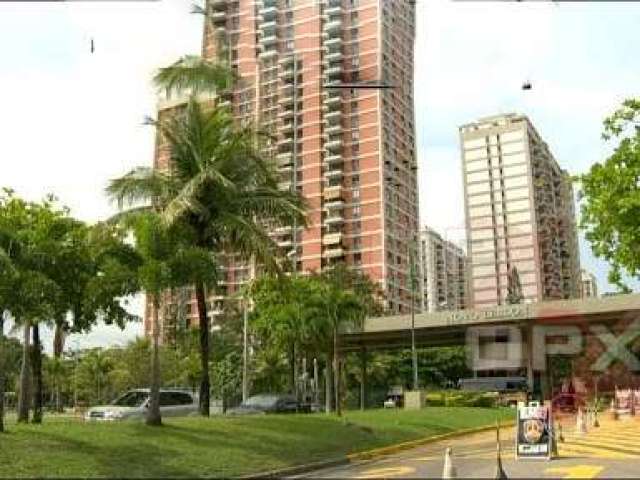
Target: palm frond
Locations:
point(192, 75)
point(140, 185)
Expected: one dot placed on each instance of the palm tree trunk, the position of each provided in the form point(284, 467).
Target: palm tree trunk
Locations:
point(37, 375)
point(153, 415)
point(2, 368)
point(204, 349)
point(23, 400)
point(328, 383)
point(58, 348)
point(292, 369)
point(336, 372)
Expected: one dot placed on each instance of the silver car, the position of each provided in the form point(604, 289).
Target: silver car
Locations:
point(135, 403)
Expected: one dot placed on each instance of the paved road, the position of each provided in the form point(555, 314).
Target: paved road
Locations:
point(612, 450)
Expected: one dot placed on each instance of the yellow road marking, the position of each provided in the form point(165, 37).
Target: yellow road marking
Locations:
point(577, 471)
point(386, 472)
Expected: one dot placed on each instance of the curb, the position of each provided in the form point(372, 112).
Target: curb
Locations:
point(369, 454)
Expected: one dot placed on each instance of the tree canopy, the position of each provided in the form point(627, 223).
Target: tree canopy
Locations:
point(610, 195)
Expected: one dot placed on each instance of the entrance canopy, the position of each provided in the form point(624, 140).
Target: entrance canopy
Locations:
point(448, 328)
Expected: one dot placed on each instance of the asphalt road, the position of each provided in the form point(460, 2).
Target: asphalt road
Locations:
point(612, 450)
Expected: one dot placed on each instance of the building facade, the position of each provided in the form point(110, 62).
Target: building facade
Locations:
point(519, 210)
point(332, 82)
point(443, 273)
point(589, 284)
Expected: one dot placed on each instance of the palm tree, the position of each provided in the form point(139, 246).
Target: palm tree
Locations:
point(218, 182)
point(342, 300)
point(165, 264)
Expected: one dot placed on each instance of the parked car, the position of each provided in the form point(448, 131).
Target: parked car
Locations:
point(509, 390)
point(270, 403)
point(135, 403)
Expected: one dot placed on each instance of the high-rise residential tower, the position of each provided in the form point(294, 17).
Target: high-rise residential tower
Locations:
point(332, 82)
point(519, 213)
point(443, 273)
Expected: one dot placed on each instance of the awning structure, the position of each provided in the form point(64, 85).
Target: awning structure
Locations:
point(449, 327)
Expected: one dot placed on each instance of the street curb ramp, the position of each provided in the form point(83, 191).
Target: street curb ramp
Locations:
point(368, 454)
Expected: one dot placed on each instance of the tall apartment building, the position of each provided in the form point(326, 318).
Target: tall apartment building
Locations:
point(443, 273)
point(310, 73)
point(589, 284)
point(519, 213)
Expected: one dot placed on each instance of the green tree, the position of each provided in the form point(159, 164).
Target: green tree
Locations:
point(218, 182)
point(345, 298)
point(610, 194)
point(281, 317)
point(169, 259)
point(307, 313)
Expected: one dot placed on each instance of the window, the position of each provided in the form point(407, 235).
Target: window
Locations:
point(355, 180)
point(170, 399)
point(357, 258)
point(356, 211)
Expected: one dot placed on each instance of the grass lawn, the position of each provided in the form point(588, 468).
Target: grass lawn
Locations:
point(218, 446)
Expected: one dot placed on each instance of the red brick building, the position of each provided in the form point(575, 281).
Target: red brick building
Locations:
point(350, 151)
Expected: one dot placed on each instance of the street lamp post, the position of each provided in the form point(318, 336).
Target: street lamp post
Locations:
point(414, 353)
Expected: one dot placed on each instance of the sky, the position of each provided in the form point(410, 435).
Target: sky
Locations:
point(70, 120)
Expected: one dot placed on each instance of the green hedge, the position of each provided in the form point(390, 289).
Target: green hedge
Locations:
point(457, 398)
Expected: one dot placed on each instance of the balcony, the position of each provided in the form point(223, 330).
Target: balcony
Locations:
point(333, 193)
point(268, 27)
point(334, 144)
point(288, 60)
point(269, 13)
point(333, 117)
point(333, 252)
point(287, 127)
point(333, 174)
point(267, 54)
point(269, 40)
point(332, 101)
point(283, 159)
point(333, 57)
point(334, 204)
point(333, 129)
point(287, 73)
point(332, 238)
point(332, 11)
point(333, 159)
point(285, 142)
point(332, 27)
point(333, 71)
point(218, 4)
point(333, 43)
point(286, 114)
point(218, 17)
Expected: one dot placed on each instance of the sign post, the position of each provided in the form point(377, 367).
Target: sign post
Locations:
point(534, 438)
